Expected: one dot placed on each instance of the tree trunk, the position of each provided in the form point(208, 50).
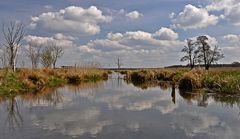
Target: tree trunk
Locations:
point(12, 63)
point(207, 67)
point(54, 64)
point(192, 66)
point(34, 65)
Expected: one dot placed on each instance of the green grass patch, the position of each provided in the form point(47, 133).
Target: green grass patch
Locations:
point(54, 82)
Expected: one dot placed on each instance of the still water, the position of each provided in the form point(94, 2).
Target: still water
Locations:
point(115, 109)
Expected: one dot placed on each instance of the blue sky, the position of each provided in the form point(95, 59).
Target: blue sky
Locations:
point(142, 33)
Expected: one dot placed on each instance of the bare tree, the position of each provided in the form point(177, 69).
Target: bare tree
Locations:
point(207, 54)
point(50, 54)
point(119, 63)
point(47, 57)
point(34, 53)
point(190, 55)
point(57, 53)
point(13, 36)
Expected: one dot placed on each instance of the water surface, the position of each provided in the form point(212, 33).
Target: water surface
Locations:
point(115, 109)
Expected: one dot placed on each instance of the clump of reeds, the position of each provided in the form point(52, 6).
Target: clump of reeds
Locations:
point(191, 79)
point(74, 79)
point(168, 75)
point(142, 76)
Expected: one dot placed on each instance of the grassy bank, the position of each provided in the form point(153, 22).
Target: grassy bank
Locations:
point(27, 80)
point(224, 80)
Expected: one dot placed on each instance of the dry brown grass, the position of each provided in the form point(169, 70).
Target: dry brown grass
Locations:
point(24, 80)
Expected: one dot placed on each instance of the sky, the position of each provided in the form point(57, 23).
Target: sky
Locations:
point(142, 33)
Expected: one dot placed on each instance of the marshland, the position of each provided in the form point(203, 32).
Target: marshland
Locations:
point(81, 69)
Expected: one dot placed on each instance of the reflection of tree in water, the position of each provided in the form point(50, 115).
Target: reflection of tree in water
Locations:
point(197, 95)
point(54, 98)
point(173, 94)
point(85, 85)
point(117, 77)
point(14, 118)
point(119, 80)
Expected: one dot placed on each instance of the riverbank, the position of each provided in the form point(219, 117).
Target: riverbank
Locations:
point(221, 80)
point(28, 80)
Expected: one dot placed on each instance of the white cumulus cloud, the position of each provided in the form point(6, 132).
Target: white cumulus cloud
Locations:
point(232, 38)
point(59, 39)
point(71, 20)
point(230, 8)
point(135, 41)
point(193, 18)
point(165, 34)
point(134, 15)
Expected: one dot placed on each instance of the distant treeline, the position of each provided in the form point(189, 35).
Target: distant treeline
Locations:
point(175, 66)
point(119, 69)
point(202, 65)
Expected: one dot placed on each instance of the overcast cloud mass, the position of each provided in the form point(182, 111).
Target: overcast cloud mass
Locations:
point(143, 33)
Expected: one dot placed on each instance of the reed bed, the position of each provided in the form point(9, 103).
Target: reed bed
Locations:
point(28, 80)
point(223, 80)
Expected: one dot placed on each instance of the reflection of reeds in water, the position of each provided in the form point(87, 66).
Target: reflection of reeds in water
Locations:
point(164, 85)
point(48, 95)
point(200, 96)
point(84, 85)
point(227, 100)
point(52, 96)
point(144, 85)
point(2, 99)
